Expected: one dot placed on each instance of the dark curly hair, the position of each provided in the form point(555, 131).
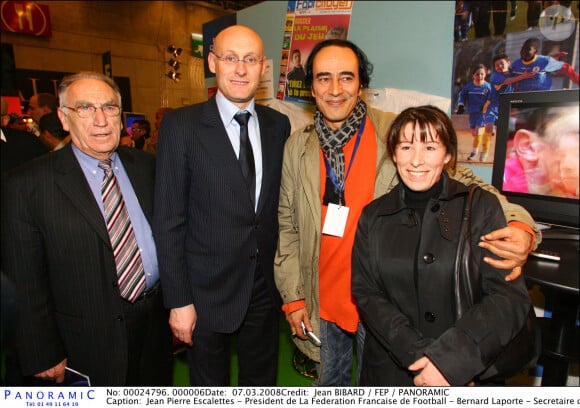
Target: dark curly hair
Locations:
point(365, 68)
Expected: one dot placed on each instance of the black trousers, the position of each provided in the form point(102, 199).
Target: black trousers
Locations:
point(150, 348)
point(150, 343)
point(257, 346)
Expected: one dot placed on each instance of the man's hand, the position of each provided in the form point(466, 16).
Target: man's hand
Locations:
point(429, 375)
point(55, 373)
point(182, 322)
point(512, 245)
point(295, 319)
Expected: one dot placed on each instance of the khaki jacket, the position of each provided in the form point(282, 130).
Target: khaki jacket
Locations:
point(299, 215)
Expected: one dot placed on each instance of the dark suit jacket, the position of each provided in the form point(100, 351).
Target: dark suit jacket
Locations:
point(19, 148)
point(209, 239)
point(56, 248)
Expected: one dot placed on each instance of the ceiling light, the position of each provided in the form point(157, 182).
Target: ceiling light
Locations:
point(175, 76)
point(174, 50)
point(174, 64)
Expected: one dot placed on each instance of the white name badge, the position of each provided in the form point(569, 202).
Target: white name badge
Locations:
point(335, 220)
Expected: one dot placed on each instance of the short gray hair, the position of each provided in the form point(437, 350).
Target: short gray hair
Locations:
point(68, 80)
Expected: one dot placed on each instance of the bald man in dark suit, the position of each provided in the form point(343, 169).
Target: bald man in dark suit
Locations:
point(216, 231)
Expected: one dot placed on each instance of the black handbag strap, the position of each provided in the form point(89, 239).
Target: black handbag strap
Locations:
point(466, 277)
point(466, 220)
point(524, 349)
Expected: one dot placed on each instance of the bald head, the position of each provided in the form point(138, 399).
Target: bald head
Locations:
point(237, 60)
point(237, 34)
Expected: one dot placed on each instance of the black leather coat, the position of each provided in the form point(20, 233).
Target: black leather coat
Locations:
point(410, 314)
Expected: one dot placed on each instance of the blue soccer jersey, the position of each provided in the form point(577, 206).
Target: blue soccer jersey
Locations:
point(543, 66)
point(496, 81)
point(474, 97)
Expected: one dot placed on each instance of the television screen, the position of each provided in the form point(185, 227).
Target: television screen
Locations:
point(536, 158)
point(129, 118)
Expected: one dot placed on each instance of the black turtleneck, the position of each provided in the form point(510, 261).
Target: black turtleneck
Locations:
point(418, 200)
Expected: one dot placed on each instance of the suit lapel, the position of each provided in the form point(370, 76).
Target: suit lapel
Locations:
point(266, 129)
point(71, 181)
point(214, 138)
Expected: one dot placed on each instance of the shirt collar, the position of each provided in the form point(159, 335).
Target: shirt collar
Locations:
point(90, 162)
point(228, 110)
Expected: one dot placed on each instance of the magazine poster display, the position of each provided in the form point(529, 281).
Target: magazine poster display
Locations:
point(307, 23)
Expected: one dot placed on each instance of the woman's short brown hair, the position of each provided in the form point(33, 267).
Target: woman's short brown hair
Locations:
point(426, 116)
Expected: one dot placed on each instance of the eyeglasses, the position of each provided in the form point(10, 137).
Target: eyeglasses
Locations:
point(89, 111)
point(231, 59)
point(136, 129)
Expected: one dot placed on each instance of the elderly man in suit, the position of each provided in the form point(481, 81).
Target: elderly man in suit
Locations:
point(77, 242)
point(216, 204)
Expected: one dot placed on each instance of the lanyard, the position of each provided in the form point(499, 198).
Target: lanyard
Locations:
point(330, 171)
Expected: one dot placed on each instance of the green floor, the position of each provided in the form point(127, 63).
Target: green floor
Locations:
point(287, 375)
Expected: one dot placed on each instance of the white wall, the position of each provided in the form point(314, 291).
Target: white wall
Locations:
point(410, 43)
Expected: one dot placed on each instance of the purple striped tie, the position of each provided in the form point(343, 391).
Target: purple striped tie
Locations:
point(130, 273)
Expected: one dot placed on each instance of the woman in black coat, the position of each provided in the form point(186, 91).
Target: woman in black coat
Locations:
point(403, 268)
